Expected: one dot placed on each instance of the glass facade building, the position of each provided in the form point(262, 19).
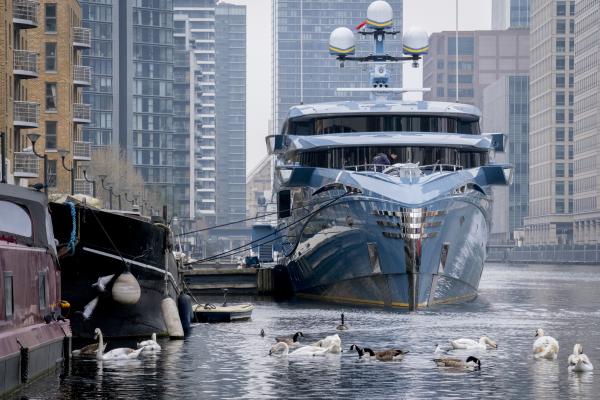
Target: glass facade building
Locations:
point(509, 14)
point(98, 16)
point(303, 70)
point(230, 105)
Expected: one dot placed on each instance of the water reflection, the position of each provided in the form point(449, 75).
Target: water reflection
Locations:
point(231, 360)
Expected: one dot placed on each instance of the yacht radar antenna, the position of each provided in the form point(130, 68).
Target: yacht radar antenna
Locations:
point(379, 23)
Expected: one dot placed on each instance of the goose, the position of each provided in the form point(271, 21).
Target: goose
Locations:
point(471, 363)
point(88, 350)
point(115, 354)
point(262, 333)
point(579, 362)
point(545, 346)
point(291, 340)
point(328, 341)
point(383, 355)
point(342, 326)
point(149, 345)
point(470, 344)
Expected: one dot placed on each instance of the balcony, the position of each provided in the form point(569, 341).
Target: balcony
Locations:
point(83, 187)
point(26, 114)
point(26, 165)
point(82, 151)
point(82, 113)
point(25, 64)
point(25, 13)
point(82, 38)
point(82, 75)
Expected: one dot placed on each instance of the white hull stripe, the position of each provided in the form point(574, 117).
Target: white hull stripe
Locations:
point(139, 264)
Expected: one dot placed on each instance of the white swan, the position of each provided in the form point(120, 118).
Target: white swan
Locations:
point(282, 349)
point(149, 345)
point(89, 350)
point(328, 341)
point(470, 344)
point(579, 362)
point(545, 346)
point(116, 354)
point(279, 349)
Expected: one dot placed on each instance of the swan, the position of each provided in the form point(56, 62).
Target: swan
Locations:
point(342, 326)
point(279, 349)
point(102, 282)
point(471, 363)
point(579, 362)
point(440, 350)
point(88, 350)
point(545, 346)
point(470, 344)
point(283, 349)
point(328, 341)
point(149, 345)
point(291, 340)
point(115, 354)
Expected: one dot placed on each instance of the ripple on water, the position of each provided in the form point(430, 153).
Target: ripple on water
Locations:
point(231, 360)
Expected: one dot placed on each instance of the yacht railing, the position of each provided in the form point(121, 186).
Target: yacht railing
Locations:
point(395, 167)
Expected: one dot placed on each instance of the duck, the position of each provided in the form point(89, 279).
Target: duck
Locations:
point(342, 326)
point(88, 350)
point(115, 354)
point(149, 345)
point(471, 363)
point(470, 344)
point(545, 346)
point(291, 340)
point(383, 355)
point(579, 362)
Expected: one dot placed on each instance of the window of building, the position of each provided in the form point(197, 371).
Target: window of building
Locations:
point(50, 23)
point(571, 62)
point(571, 81)
point(560, 152)
point(50, 57)
point(461, 78)
point(559, 171)
point(561, 8)
point(560, 80)
point(560, 45)
point(560, 98)
point(560, 62)
point(572, 9)
point(466, 46)
point(440, 77)
point(440, 92)
point(571, 99)
point(561, 26)
point(559, 188)
point(560, 206)
point(9, 307)
point(560, 134)
point(51, 96)
point(51, 164)
point(572, 27)
point(571, 134)
point(560, 116)
point(50, 135)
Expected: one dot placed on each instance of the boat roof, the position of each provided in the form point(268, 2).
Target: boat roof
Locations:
point(322, 142)
point(386, 106)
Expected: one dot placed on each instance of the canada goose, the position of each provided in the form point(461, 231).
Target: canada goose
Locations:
point(262, 333)
point(383, 355)
point(544, 346)
point(471, 363)
point(89, 350)
point(579, 362)
point(342, 326)
point(149, 345)
point(290, 340)
point(116, 354)
point(470, 344)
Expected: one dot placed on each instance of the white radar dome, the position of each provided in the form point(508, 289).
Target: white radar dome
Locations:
point(341, 42)
point(415, 41)
point(380, 15)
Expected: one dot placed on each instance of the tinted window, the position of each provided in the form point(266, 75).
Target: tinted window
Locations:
point(380, 123)
point(14, 219)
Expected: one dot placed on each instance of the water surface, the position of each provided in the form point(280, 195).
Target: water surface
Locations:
point(230, 361)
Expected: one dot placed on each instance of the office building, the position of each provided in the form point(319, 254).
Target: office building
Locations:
point(230, 106)
point(303, 70)
point(510, 14)
point(483, 58)
point(586, 141)
point(551, 122)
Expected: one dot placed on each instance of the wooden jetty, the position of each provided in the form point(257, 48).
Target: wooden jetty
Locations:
point(211, 279)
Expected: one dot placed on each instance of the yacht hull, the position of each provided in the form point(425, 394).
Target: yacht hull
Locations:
point(384, 253)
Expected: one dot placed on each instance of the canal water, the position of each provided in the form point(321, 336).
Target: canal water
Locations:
point(230, 361)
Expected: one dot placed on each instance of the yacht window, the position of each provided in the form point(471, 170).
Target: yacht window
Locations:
point(9, 307)
point(322, 125)
point(15, 220)
point(360, 157)
point(42, 290)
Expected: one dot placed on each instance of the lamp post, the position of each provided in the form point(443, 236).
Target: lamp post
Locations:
point(63, 153)
point(33, 137)
point(110, 190)
point(93, 182)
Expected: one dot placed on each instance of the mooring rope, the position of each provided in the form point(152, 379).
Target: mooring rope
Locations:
point(73, 238)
